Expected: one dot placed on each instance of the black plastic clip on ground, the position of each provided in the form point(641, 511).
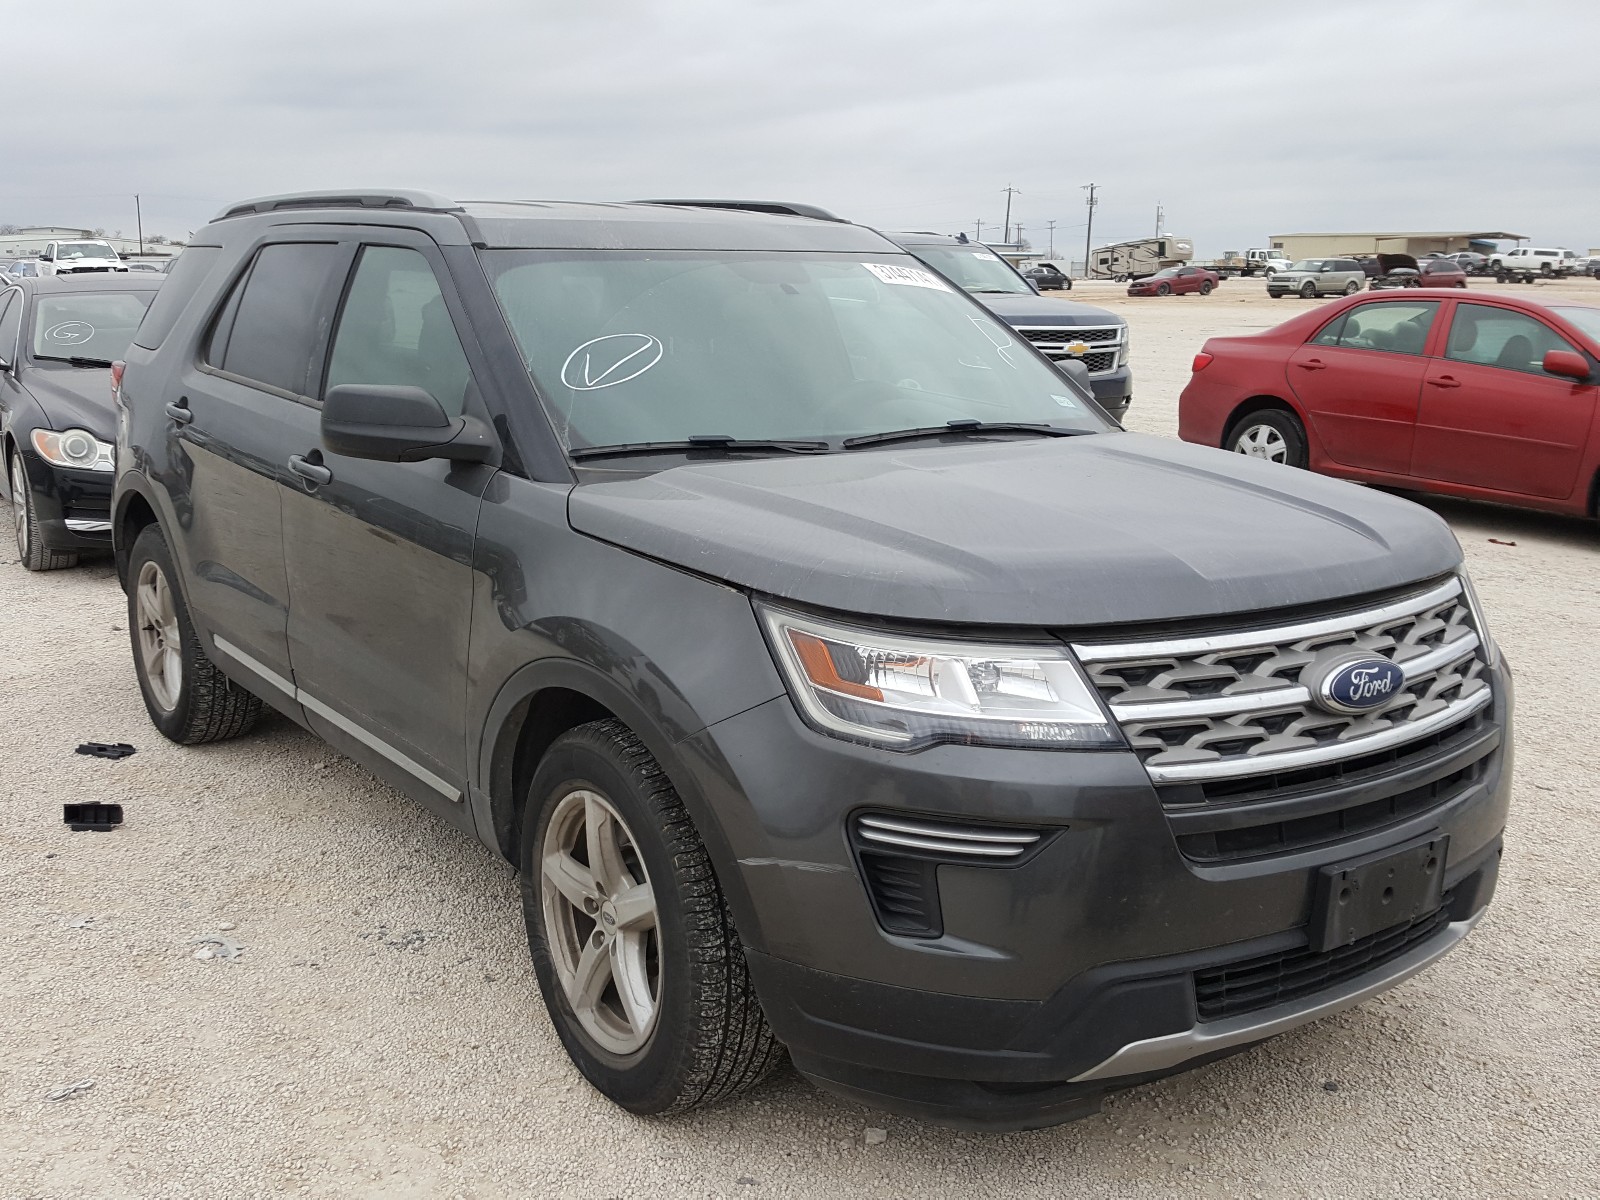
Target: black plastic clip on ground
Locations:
point(97, 818)
point(106, 749)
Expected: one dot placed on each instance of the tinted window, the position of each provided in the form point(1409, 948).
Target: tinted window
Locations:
point(395, 329)
point(275, 329)
point(184, 276)
point(10, 324)
point(1400, 327)
point(1498, 337)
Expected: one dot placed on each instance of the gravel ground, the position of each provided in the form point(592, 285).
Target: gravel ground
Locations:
point(381, 1033)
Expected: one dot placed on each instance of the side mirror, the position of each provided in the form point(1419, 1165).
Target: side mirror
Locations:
point(1567, 363)
point(391, 423)
point(47, 257)
point(1075, 370)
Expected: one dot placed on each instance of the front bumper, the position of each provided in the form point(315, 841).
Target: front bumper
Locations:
point(73, 507)
point(1052, 982)
point(1113, 390)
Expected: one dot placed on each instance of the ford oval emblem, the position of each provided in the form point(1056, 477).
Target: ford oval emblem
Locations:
point(1360, 685)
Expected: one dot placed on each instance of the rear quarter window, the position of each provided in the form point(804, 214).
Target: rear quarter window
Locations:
point(193, 265)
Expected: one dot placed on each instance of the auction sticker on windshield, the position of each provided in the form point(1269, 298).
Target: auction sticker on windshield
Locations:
point(908, 276)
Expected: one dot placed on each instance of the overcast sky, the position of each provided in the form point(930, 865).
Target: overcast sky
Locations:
point(1244, 118)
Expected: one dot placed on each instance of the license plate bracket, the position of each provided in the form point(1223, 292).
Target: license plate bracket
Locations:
point(1358, 898)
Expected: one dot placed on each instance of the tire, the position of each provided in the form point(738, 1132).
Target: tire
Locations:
point(1308, 291)
point(1066, 285)
point(1271, 434)
point(189, 700)
point(1164, 289)
point(1501, 277)
point(31, 550)
point(1205, 288)
point(1351, 288)
point(1544, 268)
point(704, 1037)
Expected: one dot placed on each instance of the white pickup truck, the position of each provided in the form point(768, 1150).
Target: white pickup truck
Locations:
point(79, 257)
point(1527, 263)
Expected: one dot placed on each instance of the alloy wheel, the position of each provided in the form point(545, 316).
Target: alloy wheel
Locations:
point(160, 644)
point(600, 922)
point(1262, 441)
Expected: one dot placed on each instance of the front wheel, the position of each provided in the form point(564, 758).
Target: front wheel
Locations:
point(632, 941)
point(1164, 289)
point(31, 550)
point(1271, 434)
point(189, 700)
point(1308, 292)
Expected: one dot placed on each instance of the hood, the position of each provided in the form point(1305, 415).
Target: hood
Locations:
point(1092, 530)
point(1393, 262)
point(74, 397)
point(1020, 309)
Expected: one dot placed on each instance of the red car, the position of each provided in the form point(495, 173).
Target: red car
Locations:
point(1175, 281)
point(1490, 398)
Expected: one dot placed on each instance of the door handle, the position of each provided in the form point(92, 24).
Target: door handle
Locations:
point(1445, 381)
point(309, 471)
point(179, 412)
point(1312, 364)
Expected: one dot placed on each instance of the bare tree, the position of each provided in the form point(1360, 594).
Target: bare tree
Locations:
point(8, 230)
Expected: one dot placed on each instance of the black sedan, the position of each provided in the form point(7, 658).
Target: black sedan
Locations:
point(1048, 277)
point(58, 338)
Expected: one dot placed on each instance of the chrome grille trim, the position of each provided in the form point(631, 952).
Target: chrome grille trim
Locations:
point(1231, 705)
point(1287, 697)
point(945, 839)
point(1249, 639)
point(1098, 336)
point(1289, 760)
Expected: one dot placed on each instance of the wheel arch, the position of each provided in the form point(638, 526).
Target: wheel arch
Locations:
point(545, 699)
point(134, 512)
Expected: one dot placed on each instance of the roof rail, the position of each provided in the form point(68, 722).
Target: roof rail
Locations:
point(395, 198)
point(781, 208)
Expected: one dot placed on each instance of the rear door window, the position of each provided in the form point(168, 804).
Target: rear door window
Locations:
point(277, 316)
point(1498, 337)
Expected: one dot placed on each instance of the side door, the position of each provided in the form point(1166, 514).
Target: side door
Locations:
point(1360, 381)
point(229, 412)
point(379, 554)
point(1492, 418)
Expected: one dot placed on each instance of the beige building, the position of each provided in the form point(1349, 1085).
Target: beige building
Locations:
point(1332, 245)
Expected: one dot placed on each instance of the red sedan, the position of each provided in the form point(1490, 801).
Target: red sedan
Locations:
point(1175, 281)
point(1490, 398)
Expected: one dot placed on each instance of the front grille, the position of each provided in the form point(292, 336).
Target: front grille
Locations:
point(1056, 335)
point(1103, 360)
point(1248, 764)
point(900, 858)
point(1256, 983)
point(1230, 705)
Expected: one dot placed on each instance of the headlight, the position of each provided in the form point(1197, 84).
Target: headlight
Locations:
point(909, 692)
point(1127, 339)
point(1491, 651)
point(76, 448)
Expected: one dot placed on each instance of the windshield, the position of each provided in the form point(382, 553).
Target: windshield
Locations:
point(1166, 273)
point(973, 267)
point(652, 346)
point(1310, 264)
point(84, 250)
point(87, 325)
point(1586, 319)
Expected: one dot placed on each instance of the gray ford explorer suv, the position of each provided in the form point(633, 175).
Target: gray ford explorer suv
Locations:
point(1062, 330)
point(841, 681)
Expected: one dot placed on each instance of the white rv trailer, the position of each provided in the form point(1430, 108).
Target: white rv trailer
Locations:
point(1136, 259)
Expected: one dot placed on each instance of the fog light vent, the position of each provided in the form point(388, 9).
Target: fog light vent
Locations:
point(900, 857)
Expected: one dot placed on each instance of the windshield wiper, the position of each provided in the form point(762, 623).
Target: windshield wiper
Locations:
point(995, 292)
point(699, 441)
point(953, 427)
point(75, 360)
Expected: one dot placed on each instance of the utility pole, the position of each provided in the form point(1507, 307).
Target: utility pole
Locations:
point(1019, 235)
point(138, 215)
point(1160, 213)
point(1051, 226)
point(1010, 191)
point(980, 231)
point(1088, 233)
